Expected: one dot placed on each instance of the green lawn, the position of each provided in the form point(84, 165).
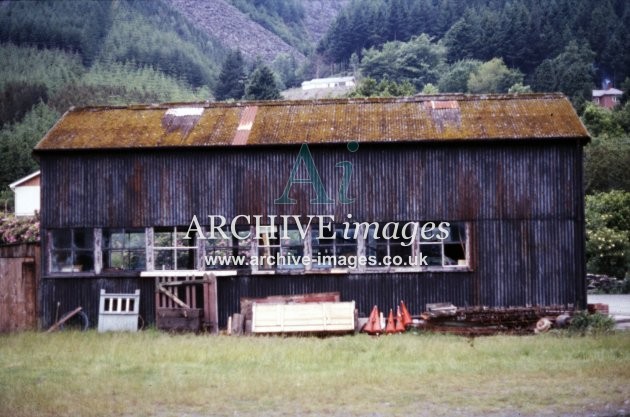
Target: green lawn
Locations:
point(153, 373)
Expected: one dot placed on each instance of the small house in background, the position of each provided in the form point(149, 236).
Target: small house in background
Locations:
point(26, 191)
point(332, 82)
point(501, 174)
point(608, 96)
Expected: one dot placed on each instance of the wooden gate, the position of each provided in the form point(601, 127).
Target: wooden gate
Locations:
point(185, 300)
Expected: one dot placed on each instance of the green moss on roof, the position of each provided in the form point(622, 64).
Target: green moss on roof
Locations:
point(413, 119)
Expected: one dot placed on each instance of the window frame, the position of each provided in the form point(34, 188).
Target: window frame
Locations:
point(335, 248)
point(282, 245)
point(442, 243)
point(73, 249)
point(308, 247)
point(234, 248)
point(174, 248)
point(104, 249)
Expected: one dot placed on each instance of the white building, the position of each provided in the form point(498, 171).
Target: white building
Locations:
point(27, 194)
point(328, 83)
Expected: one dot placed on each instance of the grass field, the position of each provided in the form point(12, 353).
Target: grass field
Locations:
point(153, 373)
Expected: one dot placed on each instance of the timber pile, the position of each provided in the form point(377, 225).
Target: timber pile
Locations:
point(477, 321)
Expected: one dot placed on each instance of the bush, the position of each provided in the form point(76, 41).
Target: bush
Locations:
point(18, 230)
point(608, 233)
point(584, 323)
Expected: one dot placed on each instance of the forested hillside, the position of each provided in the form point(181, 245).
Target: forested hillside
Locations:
point(562, 45)
point(62, 53)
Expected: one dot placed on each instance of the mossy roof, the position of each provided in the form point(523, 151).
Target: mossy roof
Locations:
point(412, 119)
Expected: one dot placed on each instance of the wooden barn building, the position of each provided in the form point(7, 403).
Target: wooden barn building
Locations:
point(494, 181)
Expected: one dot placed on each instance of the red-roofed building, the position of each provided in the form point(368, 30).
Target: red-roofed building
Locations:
point(608, 98)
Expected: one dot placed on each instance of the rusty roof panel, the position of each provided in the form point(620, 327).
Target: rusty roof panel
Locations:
point(413, 119)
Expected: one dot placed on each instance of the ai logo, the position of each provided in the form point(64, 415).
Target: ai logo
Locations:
point(313, 178)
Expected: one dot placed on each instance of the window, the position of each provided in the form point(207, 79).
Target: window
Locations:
point(230, 247)
point(383, 251)
point(172, 251)
point(448, 252)
point(71, 250)
point(124, 250)
point(280, 248)
point(334, 248)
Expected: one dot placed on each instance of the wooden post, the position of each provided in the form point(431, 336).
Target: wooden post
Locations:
point(211, 307)
point(237, 324)
point(206, 305)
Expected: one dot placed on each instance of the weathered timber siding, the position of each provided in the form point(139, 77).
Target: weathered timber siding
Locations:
point(394, 182)
point(524, 202)
point(19, 280)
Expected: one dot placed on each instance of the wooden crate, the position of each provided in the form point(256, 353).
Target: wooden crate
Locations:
point(321, 297)
point(303, 317)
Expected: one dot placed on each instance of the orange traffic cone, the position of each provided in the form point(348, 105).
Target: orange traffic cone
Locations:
point(400, 327)
point(373, 326)
point(406, 317)
point(390, 328)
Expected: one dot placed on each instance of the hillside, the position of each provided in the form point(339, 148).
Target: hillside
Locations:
point(63, 53)
point(319, 14)
point(480, 46)
point(524, 34)
point(235, 30)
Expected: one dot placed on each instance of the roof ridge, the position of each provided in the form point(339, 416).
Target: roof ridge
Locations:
point(418, 98)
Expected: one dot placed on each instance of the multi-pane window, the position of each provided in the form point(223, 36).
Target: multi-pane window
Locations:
point(280, 248)
point(447, 252)
point(436, 245)
point(384, 250)
point(238, 245)
point(71, 250)
point(124, 250)
point(172, 251)
point(334, 247)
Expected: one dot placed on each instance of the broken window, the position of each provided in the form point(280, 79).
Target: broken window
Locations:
point(447, 252)
point(71, 250)
point(124, 249)
point(171, 250)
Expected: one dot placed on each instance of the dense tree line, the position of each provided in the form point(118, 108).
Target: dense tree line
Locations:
point(147, 33)
point(365, 24)
point(62, 24)
point(562, 45)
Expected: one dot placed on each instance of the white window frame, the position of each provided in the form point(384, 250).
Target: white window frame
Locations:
point(173, 247)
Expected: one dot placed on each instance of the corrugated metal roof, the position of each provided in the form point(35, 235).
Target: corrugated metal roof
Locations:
point(413, 119)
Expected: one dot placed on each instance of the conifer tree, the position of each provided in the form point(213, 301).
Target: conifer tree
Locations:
point(261, 85)
point(231, 82)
